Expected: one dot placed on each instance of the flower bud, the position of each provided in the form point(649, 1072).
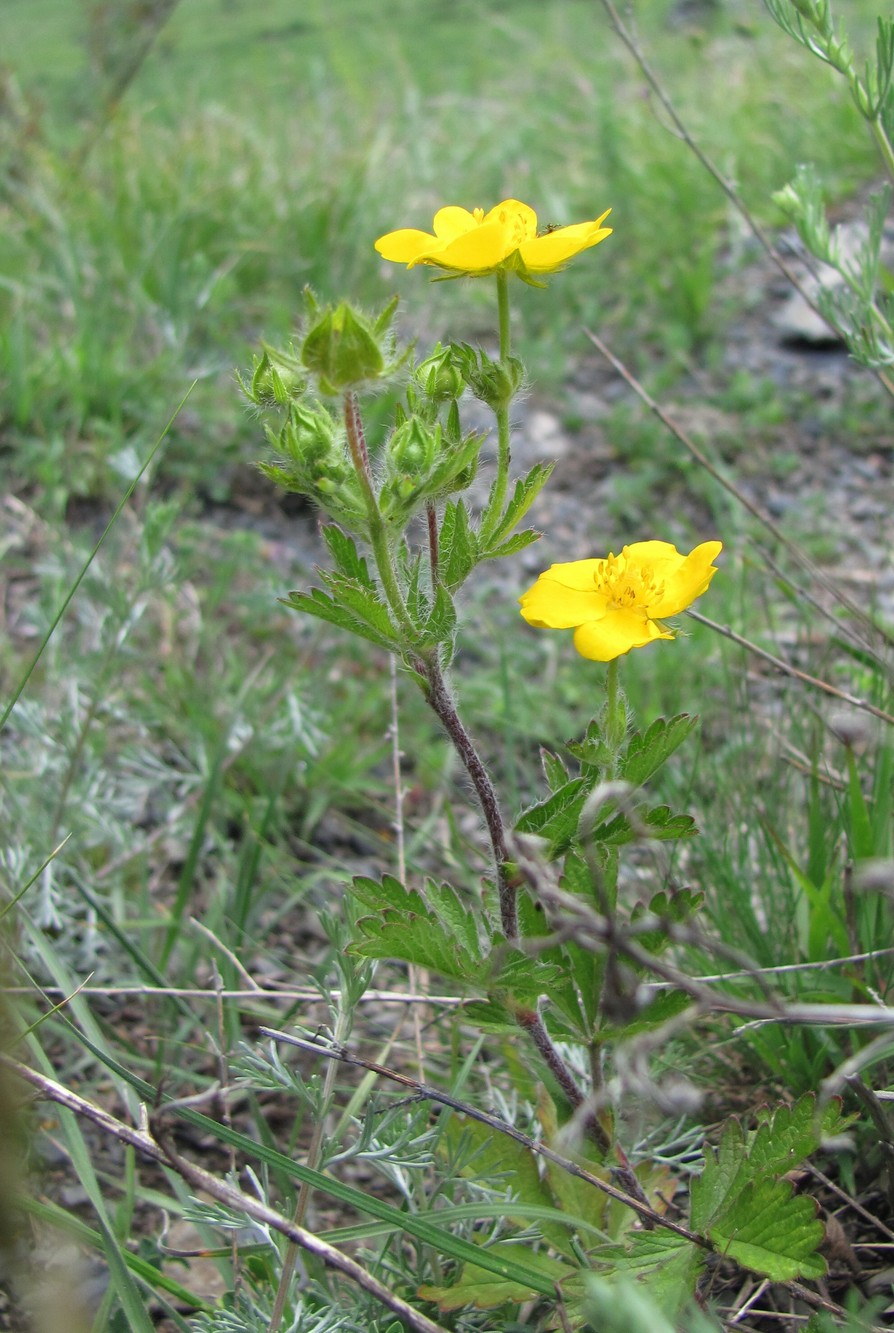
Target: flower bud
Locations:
point(343, 349)
point(412, 447)
point(274, 383)
point(493, 382)
point(439, 377)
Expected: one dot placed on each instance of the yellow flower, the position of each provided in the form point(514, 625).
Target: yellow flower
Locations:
point(480, 243)
point(620, 602)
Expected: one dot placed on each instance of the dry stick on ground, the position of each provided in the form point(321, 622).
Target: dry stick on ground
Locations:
point(161, 1152)
point(345, 1056)
point(158, 1149)
point(755, 510)
point(813, 681)
point(681, 132)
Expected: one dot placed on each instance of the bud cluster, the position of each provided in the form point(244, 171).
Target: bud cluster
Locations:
point(313, 460)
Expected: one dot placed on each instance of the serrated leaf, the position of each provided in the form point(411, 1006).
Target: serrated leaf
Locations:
point(318, 603)
point(771, 1232)
point(659, 823)
point(489, 1015)
point(675, 907)
point(440, 623)
point(512, 545)
point(667, 1264)
point(347, 559)
point(495, 1160)
point(436, 931)
point(486, 1291)
point(523, 977)
point(787, 1135)
point(526, 491)
point(709, 1191)
point(554, 770)
point(648, 751)
point(666, 1005)
point(557, 817)
point(457, 545)
point(384, 892)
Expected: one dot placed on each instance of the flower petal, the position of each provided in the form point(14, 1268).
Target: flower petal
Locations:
point(407, 246)
point(453, 221)
point(616, 633)
point(687, 580)
point(558, 604)
point(479, 250)
point(544, 254)
point(518, 217)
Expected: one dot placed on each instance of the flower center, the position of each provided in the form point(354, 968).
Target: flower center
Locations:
point(627, 585)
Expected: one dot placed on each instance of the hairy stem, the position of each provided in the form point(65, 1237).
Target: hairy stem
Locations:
point(378, 536)
point(438, 696)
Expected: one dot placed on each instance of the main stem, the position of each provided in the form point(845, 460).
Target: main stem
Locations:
point(439, 698)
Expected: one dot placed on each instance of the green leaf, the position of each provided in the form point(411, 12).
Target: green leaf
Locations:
point(440, 624)
point(666, 1005)
point(743, 1206)
point(495, 1160)
point(486, 1291)
point(523, 977)
point(668, 1265)
point(512, 545)
point(489, 1016)
point(457, 545)
point(526, 491)
point(361, 601)
point(647, 752)
point(788, 1135)
point(771, 1232)
point(659, 823)
point(318, 603)
point(709, 1191)
point(673, 907)
point(554, 770)
point(347, 559)
point(557, 817)
point(436, 931)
